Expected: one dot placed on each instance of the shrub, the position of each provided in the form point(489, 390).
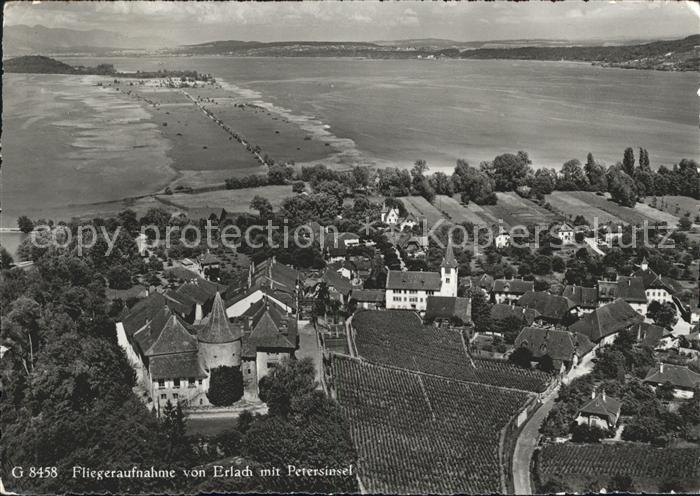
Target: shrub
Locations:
point(225, 386)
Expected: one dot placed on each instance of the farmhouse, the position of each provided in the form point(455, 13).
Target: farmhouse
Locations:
point(448, 309)
point(602, 325)
point(564, 348)
point(653, 336)
point(369, 299)
point(409, 290)
point(552, 309)
point(585, 299)
point(683, 380)
point(629, 289)
point(510, 290)
point(601, 411)
point(501, 311)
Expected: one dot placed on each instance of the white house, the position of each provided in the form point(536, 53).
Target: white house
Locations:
point(510, 290)
point(502, 240)
point(390, 215)
point(602, 411)
point(409, 290)
point(683, 380)
point(565, 233)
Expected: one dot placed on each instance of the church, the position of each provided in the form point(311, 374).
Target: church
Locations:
point(409, 290)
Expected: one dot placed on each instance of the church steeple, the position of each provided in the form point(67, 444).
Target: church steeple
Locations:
point(449, 261)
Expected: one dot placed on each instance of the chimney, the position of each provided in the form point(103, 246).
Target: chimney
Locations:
point(661, 367)
point(593, 394)
point(639, 332)
point(603, 395)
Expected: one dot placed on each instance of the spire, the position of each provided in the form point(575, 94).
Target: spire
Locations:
point(449, 262)
point(217, 328)
point(645, 264)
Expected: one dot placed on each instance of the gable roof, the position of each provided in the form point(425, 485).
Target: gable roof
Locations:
point(142, 312)
point(582, 296)
point(216, 328)
point(173, 338)
point(549, 306)
point(680, 376)
point(603, 406)
point(484, 281)
point(630, 289)
point(513, 286)
point(337, 281)
point(650, 334)
point(196, 291)
point(559, 345)
point(368, 295)
point(181, 366)
point(447, 307)
point(274, 275)
point(413, 280)
point(606, 320)
point(271, 328)
point(501, 311)
point(209, 258)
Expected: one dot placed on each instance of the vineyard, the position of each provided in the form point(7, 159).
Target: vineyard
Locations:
point(422, 208)
point(398, 338)
point(422, 434)
point(646, 465)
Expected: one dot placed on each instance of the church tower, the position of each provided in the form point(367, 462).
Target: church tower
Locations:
point(219, 340)
point(448, 272)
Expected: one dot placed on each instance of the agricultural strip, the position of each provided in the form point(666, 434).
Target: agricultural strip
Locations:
point(570, 207)
point(421, 434)
point(422, 208)
point(458, 213)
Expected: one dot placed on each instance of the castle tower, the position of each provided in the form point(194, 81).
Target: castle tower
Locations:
point(448, 272)
point(219, 340)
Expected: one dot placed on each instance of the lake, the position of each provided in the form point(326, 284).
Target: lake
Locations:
point(382, 112)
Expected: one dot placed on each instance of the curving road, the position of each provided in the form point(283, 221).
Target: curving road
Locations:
point(526, 444)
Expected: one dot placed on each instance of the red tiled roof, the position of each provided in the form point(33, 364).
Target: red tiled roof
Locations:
point(559, 345)
point(513, 286)
point(606, 320)
point(181, 365)
point(446, 307)
point(548, 305)
point(216, 328)
point(603, 406)
point(582, 296)
point(681, 377)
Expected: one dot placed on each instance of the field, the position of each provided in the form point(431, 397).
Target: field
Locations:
point(517, 211)
point(398, 338)
point(676, 206)
point(422, 434)
point(583, 465)
point(456, 212)
point(590, 205)
point(233, 200)
point(422, 208)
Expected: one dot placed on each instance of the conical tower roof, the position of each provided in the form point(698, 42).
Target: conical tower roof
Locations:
point(449, 262)
point(217, 328)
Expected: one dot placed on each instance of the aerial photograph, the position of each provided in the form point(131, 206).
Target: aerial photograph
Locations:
point(357, 247)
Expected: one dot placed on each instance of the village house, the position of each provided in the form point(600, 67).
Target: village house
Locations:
point(601, 411)
point(408, 222)
point(653, 336)
point(193, 299)
point(448, 310)
point(510, 290)
point(483, 283)
point(565, 234)
point(336, 245)
point(270, 336)
point(656, 288)
point(683, 380)
point(585, 299)
point(209, 264)
point(603, 324)
point(368, 299)
point(629, 289)
point(409, 290)
point(502, 311)
point(552, 309)
point(389, 215)
point(564, 348)
point(502, 239)
point(271, 280)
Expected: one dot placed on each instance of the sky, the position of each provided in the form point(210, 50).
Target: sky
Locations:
point(196, 22)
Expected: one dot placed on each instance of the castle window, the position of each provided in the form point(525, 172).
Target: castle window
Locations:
point(163, 396)
point(199, 382)
point(176, 383)
point(447, 280)
point(161, 383)
point(175, 396)
point(190, 382)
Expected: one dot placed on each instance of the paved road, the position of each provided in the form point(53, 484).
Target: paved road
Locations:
point(526, 444)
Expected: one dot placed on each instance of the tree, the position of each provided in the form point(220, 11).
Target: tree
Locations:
point(644, 160)
point(628, 162)
point(178, 450)
point(620, 483)
point(225, 386)
point(546, 364)
point(572, 177)
point(582, 433)
point(6, 260)
point(663, 314)
point(544, 182)
point(508, 170)
point(622, 187)
point(475, 185)
point(684, 224)
point(555, 485)
point(291, 379)
point(25, 224)
point(522, 357)
point(263, 207)
point(119, 277)
point(595, 173)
